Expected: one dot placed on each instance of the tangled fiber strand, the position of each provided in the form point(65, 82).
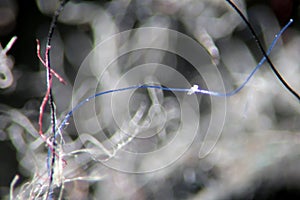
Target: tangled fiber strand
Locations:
point(50, 99)
point(54, 152)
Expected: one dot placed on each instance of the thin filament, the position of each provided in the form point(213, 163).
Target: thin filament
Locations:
point(200, 91)
point(278, 75)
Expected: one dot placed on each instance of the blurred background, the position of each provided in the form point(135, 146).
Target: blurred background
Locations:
point(257, 154)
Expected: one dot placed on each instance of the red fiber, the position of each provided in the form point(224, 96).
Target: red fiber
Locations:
point(46, 97)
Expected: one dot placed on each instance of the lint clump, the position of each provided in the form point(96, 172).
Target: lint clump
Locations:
point(6, 65)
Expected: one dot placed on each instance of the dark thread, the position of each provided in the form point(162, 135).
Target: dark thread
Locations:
point(278, 75)
point(51, 98)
